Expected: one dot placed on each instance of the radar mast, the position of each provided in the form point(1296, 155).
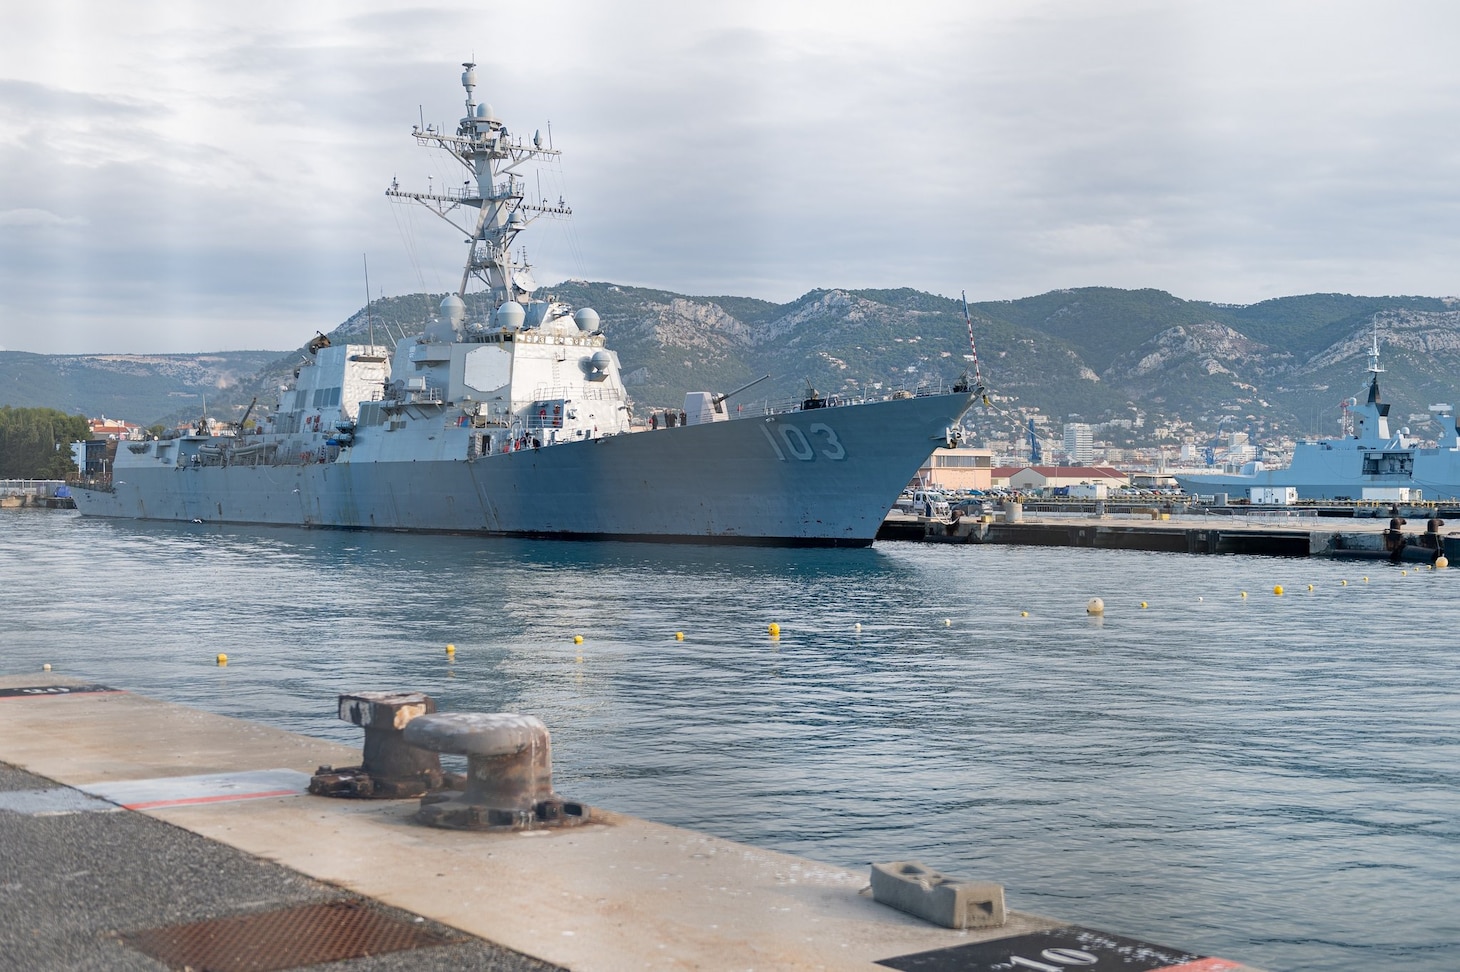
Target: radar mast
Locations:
point(491, 206)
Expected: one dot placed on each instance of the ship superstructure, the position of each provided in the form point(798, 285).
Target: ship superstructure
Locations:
point(1374, 462)
point(519, 423)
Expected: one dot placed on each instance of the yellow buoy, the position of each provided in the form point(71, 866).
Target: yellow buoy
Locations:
point(679, 636)
point(450, 649)
point(46, 667)
point(1096, 606)
point(1143, 605)
point(947, 622)
point(1278, 590)
point(774, 629)
point(1404, 573)
point(1310, 587)
point(1366, 580)
point(222, 659)
point(1441, 562)
point(857, 626)
point(1023, 614)
point(1344, 583)
point(577, 639)
point(1244, 593)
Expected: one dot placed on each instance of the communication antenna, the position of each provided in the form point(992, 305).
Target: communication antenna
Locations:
point(369, 318)
point(968, 319)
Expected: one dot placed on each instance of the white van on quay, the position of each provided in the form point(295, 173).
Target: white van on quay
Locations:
point(923, 502)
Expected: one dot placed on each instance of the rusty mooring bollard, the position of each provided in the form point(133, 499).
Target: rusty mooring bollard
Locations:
point(509, 779)
point(391, 768)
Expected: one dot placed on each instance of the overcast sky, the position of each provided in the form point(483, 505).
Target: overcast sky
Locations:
point(189, 176)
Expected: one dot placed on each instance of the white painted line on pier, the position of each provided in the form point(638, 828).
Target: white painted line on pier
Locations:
point(53, 801)
point(182, 791)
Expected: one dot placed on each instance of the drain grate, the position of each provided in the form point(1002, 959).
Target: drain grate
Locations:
point(285, 939)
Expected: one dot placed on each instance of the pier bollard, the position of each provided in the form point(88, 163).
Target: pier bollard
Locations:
point(919, 890)
point(509, 779)
point(390, 768)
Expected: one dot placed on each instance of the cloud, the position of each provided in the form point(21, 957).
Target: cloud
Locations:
point(38, 217)
point(211, 178)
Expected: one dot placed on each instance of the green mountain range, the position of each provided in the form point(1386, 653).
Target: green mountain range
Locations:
point(1279, 367)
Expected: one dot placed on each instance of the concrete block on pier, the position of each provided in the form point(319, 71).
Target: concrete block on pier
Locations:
point(920, 890)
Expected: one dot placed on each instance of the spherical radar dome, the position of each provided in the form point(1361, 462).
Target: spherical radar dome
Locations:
point(453, 309)
point(587, 321)
point(511, 315)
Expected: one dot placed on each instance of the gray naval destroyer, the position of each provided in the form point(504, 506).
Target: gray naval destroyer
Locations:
point(1373, 463)
point(519, 424)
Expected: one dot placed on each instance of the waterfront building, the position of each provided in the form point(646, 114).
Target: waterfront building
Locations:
point(1032, 478)
point(962, 468)
point(1079, 442)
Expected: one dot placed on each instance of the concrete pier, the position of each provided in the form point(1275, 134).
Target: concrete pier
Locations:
point(50, 494)
point(1270, 536)
point(617, 893)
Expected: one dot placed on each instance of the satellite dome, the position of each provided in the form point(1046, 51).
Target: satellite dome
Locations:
point(453, 309)
point(600, 361)
point(587, 321)
point(510, 315)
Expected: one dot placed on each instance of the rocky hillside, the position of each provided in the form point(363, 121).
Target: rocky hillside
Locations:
point(1098, 353)
point(136, 387)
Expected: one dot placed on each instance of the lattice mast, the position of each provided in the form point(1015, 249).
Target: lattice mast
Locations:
point(491, 207)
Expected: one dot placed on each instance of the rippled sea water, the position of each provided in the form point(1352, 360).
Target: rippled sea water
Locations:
point(1271, 779)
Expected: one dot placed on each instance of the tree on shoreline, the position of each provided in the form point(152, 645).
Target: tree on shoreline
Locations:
point(35, 443)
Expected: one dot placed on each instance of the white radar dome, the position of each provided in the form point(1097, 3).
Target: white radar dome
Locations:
point(600, 361)
point(510, 315)
point(587, 321)
point(453, 309)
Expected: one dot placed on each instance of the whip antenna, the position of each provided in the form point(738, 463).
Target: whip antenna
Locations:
point(968, 319)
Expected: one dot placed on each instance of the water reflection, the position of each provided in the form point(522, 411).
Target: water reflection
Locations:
point(1216, 772)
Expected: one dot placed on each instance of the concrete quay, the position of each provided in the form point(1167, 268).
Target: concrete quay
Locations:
point(1263, 535)
point(45, 493)
point(124, 821)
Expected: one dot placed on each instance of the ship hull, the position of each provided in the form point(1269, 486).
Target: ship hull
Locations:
point(819, 477)
point(1333, 470)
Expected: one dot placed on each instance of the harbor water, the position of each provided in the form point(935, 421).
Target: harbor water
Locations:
point(1272, 779)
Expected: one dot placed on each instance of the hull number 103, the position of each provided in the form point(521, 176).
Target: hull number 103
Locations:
point(795, 444)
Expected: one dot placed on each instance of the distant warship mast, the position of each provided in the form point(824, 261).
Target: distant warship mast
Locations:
point(494, 191)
